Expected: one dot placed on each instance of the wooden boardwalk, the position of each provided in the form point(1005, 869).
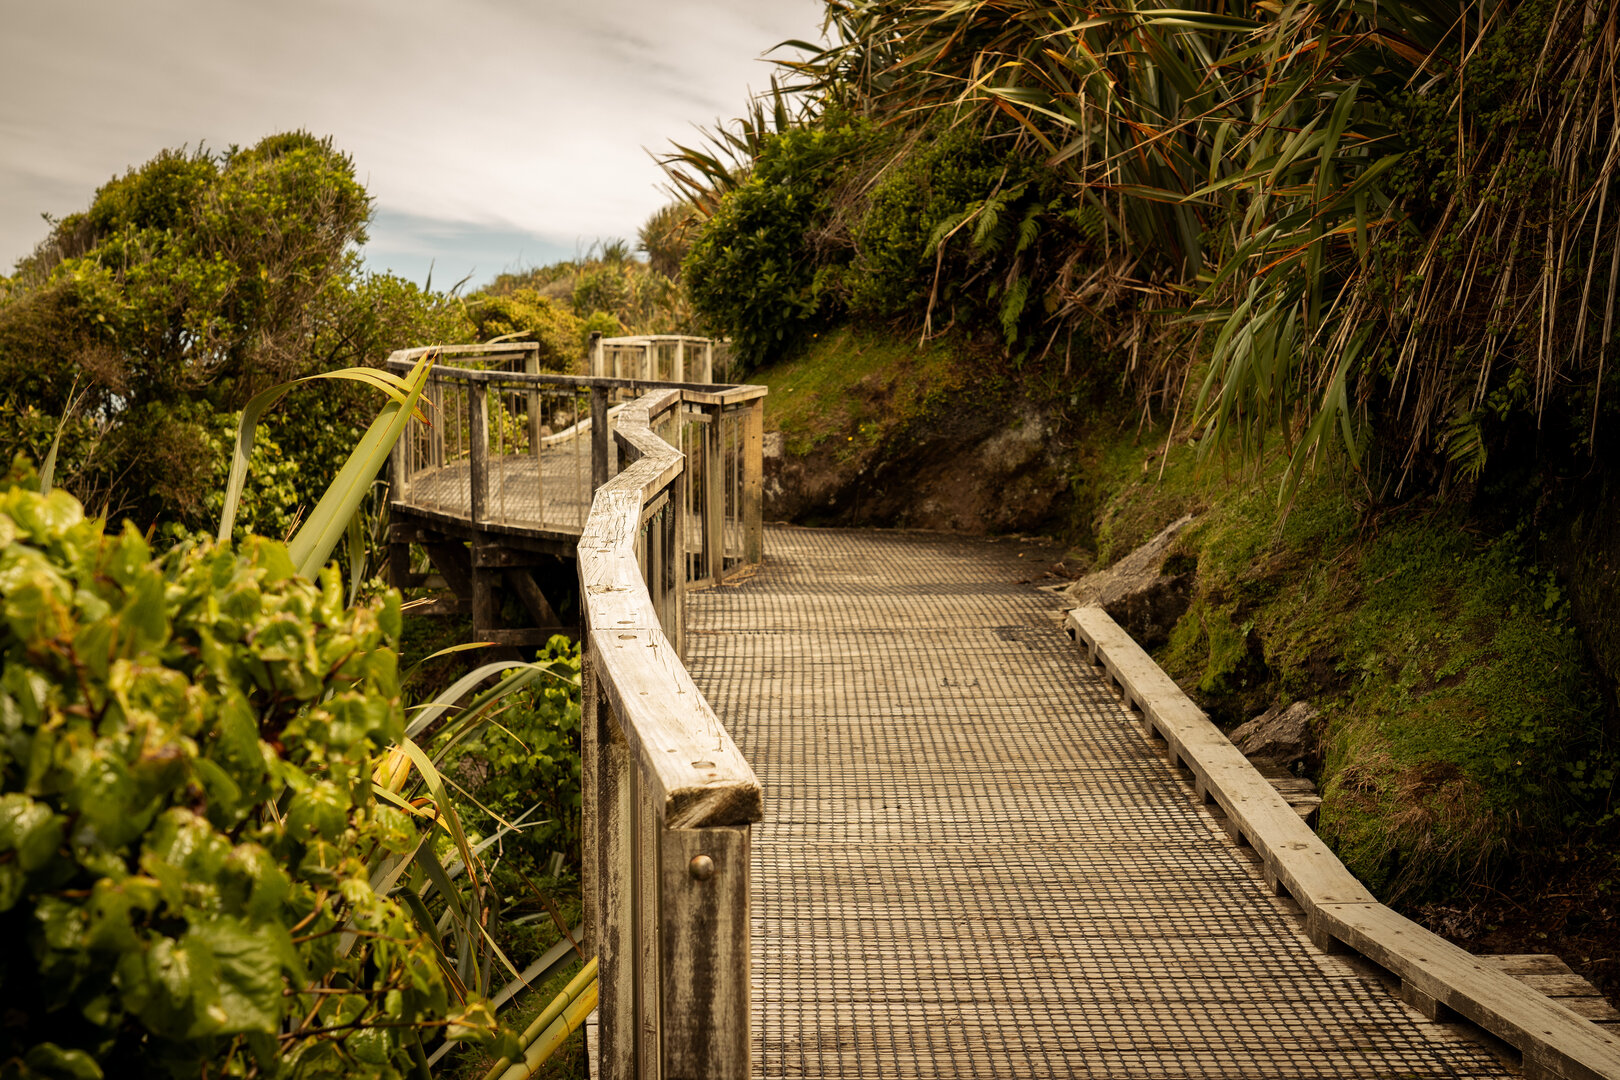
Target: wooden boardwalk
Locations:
point(550, 493)
point(973, 864)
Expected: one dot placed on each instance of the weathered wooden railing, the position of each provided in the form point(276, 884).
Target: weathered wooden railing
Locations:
point(654, 357)
point(668, 798)
point(512, 448)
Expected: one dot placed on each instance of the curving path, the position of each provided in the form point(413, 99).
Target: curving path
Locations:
point(972, 863)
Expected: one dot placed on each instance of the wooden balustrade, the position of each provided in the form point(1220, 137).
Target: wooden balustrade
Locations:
point(675, 498)
point(668, 798)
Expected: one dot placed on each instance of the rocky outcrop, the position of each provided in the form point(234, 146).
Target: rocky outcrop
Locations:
point(1285, 735)
point(1137, 593)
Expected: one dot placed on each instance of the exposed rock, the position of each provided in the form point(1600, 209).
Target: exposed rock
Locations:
point(1137, 593)
point(774, 444)
point(1285, 735)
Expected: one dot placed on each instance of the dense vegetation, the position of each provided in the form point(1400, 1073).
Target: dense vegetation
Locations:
point(229, 842)
point(1387, 222)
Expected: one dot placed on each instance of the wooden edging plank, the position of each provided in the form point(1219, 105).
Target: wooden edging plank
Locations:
point(1436, 976)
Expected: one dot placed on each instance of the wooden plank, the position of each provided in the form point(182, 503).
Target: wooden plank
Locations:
point(440, 608)
point(1295, 857)
point(697, 773)
point(599, 438)
point(452, 560)
point(647, 924)
point(714, 500)
point(615, 910)
point(1553, 1040)
point(478, 452)
point(530, 637)
point(534, 599)
point(704, 894)
point(753, 488)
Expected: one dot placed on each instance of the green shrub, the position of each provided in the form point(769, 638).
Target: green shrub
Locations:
point(931, 186)
point(753, 273)
point(188, 833)
point(189, 284)
point(525, 315)
point(527, 769)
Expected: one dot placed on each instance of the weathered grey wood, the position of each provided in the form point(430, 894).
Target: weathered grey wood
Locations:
point(705, 953)
point(706, 372)
point(594, 739)
point(648, 918)
point(454, 562)
point(1436, 976)
point(478, 451)
point(615, 891)
point(753, 485)
point(486, 609)
point(714, 499)
point(1257, 813)
point(682, 770)
point(599, 438)
point(531, 366)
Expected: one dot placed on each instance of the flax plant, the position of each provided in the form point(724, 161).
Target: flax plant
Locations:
point(1263, 182)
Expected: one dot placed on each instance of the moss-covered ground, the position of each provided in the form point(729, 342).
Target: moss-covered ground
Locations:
point(851, 389)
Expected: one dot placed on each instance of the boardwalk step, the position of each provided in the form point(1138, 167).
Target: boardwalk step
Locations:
point(1550, 975)
point(1297, 790)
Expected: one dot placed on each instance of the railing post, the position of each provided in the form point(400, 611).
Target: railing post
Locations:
point(531, 365)
point(677, 509)
point(478, 451)
point(752, 511)
point(610, 839)
point(704, 897)
point(708, 362)
point(599, 437)
point(596, 354)
point(714, 495)
point(400, 461)
point(679, 372)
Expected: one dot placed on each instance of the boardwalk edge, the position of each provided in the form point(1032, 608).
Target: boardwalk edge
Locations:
point(1438, 978)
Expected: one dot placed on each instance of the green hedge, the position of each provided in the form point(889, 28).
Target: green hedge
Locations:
point(188, 833)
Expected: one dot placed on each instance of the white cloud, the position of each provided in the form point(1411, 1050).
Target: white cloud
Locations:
point(504, 118)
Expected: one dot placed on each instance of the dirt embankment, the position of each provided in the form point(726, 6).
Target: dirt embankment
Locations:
point(866, 430)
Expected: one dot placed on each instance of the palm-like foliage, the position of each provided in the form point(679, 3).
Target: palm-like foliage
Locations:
point(1364, 208)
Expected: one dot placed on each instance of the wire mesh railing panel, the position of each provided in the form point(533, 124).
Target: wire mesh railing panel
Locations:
point(518, 448)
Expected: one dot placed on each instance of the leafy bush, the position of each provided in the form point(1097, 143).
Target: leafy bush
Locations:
point(754, 273)
point(525, 315)
point(896, 242)
point(188, 832)
point(186, 286)
point(526, 770)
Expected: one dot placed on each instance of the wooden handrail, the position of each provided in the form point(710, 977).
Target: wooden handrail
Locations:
point(697, 392)
point(668, 797)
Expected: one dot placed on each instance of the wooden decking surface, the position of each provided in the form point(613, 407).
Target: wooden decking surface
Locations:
point(972, 863)
point(550, 494)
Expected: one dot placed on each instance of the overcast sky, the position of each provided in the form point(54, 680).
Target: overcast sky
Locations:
point(492, 134)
